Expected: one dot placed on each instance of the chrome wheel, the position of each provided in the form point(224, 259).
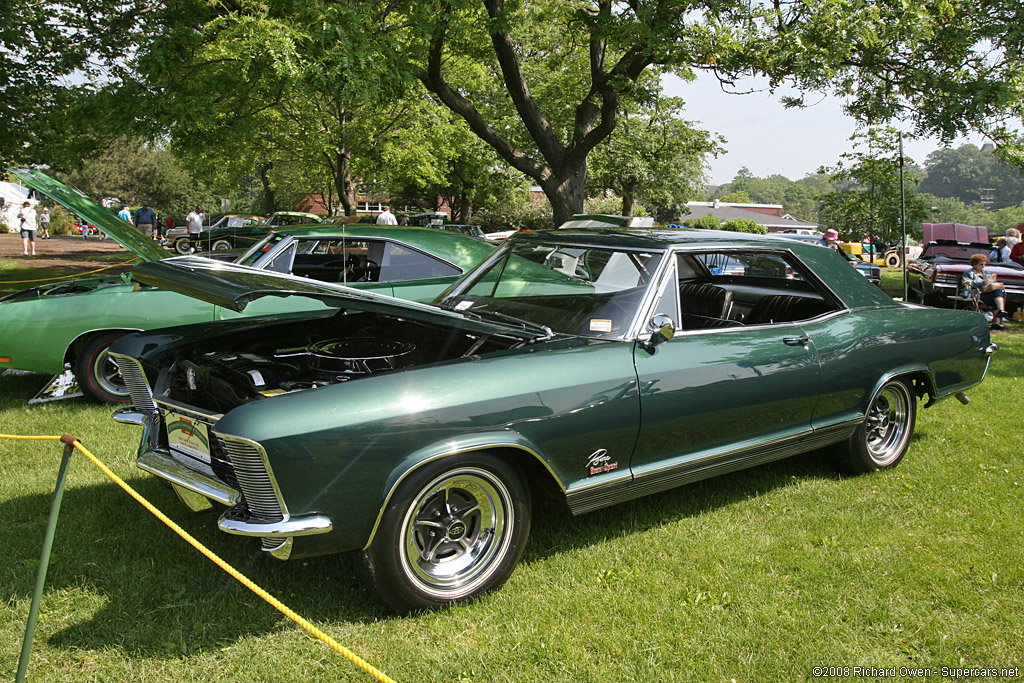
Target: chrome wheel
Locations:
point(888, 424)
point(457, 532)
point(107, 375)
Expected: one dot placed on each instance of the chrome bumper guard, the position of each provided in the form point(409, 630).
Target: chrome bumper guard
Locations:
point(302, 525)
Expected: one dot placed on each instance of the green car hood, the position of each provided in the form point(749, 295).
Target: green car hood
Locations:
point(233, 286)
point(79, 204)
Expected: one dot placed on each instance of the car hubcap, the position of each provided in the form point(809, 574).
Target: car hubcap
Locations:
point(107, 375)
point(888, 425)
point(456, 531)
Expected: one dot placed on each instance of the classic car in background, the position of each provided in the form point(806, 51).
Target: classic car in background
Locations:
point(587, 365)
point(71, 323)
point(866, 268)
point(280, 218)
point(230, 231)
point(935, 275)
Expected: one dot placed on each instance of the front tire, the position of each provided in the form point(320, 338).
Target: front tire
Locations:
point(97, 374)
point(454, 529)
point(182, 245)
point(881, 441)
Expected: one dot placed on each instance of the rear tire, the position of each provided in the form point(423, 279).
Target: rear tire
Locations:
point(97, 374)
point(454, 529)
point(892, 261)
point(221, 245)
point(881, 441)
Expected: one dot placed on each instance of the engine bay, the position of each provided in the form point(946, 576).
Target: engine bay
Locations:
point(312, 354)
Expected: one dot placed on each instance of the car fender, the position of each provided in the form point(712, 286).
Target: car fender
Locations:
point(72, 349)
point(918, 374)
point(503, 440)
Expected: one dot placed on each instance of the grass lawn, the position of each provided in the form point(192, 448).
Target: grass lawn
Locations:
point(756, 576)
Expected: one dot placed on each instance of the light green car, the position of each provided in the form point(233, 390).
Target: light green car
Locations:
point(69, 324)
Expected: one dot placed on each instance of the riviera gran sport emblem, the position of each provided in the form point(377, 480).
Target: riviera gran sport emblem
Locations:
point(599, 462)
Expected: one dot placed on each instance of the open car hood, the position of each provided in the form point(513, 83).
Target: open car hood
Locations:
point(79, 204)
point(233, 286)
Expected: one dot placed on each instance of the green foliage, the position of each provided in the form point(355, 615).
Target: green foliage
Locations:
point(866, 201)
point(744, 225)
point(971, 176)
point(653, 157)
point(708, 222)
point(798, 198)
point(523, 213)
point(132, 172)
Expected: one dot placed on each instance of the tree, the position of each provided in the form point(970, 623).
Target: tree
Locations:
point(972, 175)
point(569, 70)
point(867, 200)
point(655, 156)
point(133, 171)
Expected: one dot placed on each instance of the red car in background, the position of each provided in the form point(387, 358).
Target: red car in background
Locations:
point(935, 275)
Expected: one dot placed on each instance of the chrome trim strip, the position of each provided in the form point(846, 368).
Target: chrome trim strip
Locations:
point(135, 381)
point(166, 467)
point(129, 416)
point(249, 476)
point(457, 451)
point(672, 476)
point(303, 525)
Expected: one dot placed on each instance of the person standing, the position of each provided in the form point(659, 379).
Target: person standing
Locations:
point(125, 215)
point(27, 217)
point(194, 223)
point(144, 220)
point(44, 224)
point(386, 217)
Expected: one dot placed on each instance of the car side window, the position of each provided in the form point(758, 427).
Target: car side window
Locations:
point(402, 263)
point(742, 287)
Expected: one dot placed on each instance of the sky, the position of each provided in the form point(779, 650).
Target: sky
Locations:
point(767, 138)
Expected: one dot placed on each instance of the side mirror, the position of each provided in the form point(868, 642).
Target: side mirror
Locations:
point(663, 329)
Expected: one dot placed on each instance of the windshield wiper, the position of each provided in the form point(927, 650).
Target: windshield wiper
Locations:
point(479, 314)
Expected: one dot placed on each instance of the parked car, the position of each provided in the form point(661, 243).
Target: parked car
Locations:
point(866, 268)
point(292, 218)
point(230, 231)
point(934, 277)
point(588, 365)
point(71, 323)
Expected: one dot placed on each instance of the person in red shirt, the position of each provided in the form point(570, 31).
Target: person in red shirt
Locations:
point(1017, 252)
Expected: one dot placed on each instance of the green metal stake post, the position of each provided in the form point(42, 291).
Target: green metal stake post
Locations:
point(44, 559)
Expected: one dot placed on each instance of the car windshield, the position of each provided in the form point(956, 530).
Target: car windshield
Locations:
point(257, 251)
point(578, 290)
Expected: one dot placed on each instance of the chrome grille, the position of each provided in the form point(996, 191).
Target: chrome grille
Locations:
point(135, 382)
point(250, 467)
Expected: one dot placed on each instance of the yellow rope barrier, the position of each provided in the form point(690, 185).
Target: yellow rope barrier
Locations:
point(241, 578)
point(65, 277)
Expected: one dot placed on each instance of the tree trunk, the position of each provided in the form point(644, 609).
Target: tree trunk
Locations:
point(343, 183)
point(627, 199)
point(566, 194)
point(269, 201)
point(465, 208)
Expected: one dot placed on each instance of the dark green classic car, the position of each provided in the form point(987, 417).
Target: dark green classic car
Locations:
point(591, 365)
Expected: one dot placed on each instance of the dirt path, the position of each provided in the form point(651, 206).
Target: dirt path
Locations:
point(72, 254)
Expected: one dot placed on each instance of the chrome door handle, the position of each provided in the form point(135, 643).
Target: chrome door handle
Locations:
point(796, 341)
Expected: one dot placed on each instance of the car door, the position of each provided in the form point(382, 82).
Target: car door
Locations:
point(728, 393)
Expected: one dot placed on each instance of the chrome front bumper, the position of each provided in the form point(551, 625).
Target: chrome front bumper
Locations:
point(161, 463)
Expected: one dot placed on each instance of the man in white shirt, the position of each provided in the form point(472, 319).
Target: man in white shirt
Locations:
point(194, 221)
point(27, 217)
point(386, 217)
point(1000, 253)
